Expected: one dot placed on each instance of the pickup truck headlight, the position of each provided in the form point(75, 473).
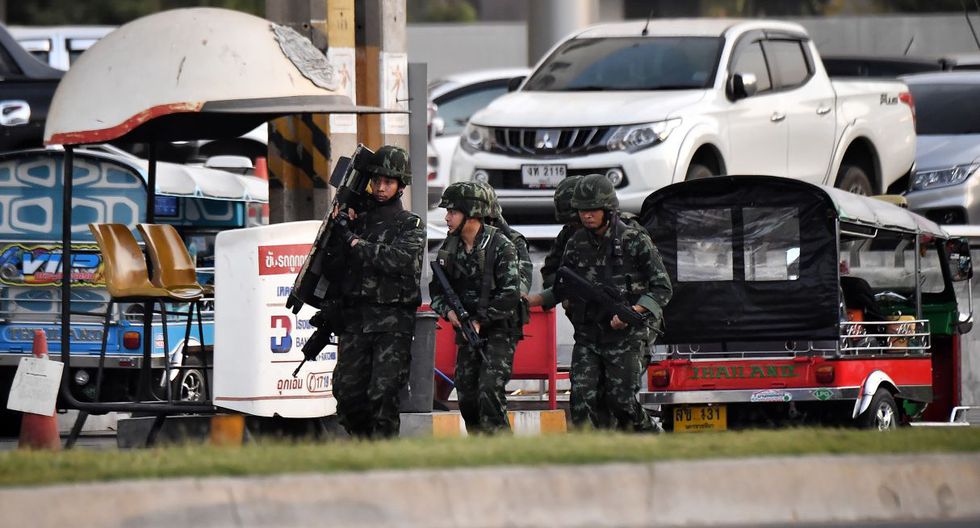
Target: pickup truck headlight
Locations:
point(632, 138)
point(943, 177)
point(475, 138)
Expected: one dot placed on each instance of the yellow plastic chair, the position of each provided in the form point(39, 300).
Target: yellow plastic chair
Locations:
point(126, 276)
point(173, 268)
point(127, 280)
point(175, 271)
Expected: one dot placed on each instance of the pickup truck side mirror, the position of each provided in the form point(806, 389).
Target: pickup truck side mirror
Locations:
point(514, 83)
point(14, 113)
point(741, 85)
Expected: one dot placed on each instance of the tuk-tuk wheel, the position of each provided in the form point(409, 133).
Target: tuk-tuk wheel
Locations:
point(882, 414)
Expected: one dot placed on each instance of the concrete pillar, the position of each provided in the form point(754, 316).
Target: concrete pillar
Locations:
point(299, 147)
point(382, 73)
point(342, 128)
point(549, 21)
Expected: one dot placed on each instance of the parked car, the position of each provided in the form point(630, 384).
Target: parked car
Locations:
point(876, 66)
point(455, 98)
point(58, 46)
point(648, 105)
point(26, 89)
point(946, 187)
point(961, 61)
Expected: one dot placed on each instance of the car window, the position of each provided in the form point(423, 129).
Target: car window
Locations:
point(457, 108)
point(789, 61)
point(634, 63)
point(943, 109)
point(8, 68)
point(752, 60)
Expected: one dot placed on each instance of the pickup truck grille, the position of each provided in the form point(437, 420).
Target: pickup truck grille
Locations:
point(550, 141)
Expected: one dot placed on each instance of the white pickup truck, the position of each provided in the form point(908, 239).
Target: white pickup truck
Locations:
point(648, 104)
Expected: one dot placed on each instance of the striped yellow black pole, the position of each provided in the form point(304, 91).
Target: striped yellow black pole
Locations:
point(299, 146)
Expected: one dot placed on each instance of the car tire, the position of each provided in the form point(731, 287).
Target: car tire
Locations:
point(882, 414)
point(697, 171)
point(853, 179)
point(191, 384)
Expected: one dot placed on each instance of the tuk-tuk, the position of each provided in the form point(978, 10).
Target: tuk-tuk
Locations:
point(797, 303)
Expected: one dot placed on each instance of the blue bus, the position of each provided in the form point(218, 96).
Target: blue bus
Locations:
point(110, 187)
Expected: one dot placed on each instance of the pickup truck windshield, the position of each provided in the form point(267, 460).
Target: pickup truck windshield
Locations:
point(629, 63)
point(946, 109)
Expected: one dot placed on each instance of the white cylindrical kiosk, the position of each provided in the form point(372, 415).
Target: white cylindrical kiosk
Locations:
point(258, 341)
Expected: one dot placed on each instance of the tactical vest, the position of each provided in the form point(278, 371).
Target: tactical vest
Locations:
point(366, 283)
point(486, 253)
point(613, 269)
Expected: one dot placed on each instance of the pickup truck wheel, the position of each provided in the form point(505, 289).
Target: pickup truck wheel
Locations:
point(697, 171)
point(882, 414)
point(853, 179)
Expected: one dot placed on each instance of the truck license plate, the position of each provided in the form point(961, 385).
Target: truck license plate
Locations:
point(542, 176)
point(694, 418)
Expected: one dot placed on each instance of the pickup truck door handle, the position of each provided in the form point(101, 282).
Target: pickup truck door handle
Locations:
point(823, 110)
point(14, 113)
point(777, 117)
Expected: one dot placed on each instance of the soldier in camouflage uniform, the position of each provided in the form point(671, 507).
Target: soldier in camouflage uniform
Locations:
point(526, 267)
point(609, 354)
point(482, 267)
point(380, 297)
point(567, 216)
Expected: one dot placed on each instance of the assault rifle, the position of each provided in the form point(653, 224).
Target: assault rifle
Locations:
point(569, 283)
point(316, 281)
point(455, 304)
point(327, 323)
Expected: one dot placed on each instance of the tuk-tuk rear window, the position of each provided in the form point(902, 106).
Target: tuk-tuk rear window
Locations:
point(705, 248)
point(772, 243)
point(707, 238)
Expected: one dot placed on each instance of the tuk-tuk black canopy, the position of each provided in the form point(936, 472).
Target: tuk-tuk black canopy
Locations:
point(731, 306)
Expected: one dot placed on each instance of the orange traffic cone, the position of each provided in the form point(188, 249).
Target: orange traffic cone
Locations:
point(36, 430)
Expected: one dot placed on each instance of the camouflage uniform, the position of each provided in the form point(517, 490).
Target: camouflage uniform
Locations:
point(481, 377)
point(604, 359)
point(525, 266)
point(563, 213)
point(380, 297)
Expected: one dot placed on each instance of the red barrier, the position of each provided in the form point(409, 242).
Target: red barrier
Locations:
point(535, 357)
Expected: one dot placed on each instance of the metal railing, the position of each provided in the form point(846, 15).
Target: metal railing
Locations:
point(859, 338)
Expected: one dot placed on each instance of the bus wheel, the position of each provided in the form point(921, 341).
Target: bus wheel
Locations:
point(191, 384)
point(882, 414)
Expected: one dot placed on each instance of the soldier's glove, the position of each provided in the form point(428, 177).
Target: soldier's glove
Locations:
point(344, 233)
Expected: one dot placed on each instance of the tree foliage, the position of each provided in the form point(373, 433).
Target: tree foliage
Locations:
point(420, 11)
point(109, 12)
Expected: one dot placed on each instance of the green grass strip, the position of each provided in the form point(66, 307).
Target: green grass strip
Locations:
point(266, 458)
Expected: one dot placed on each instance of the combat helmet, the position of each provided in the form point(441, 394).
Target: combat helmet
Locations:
point(390, 161)
point(495, 212)
point(594, 191)
point(468, 198)
point(563, 199)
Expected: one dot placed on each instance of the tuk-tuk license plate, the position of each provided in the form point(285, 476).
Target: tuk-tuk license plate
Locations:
point(542, 176)
point(694, 418)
